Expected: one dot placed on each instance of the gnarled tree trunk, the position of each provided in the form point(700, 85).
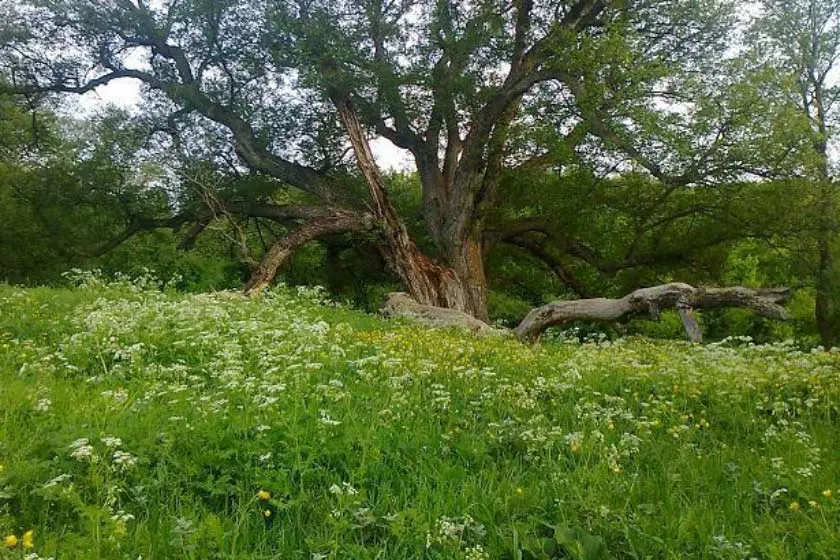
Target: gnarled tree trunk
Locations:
point(467, 260)
point(462, 286)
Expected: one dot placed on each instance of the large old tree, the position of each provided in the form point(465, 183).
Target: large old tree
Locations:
point(469, 89)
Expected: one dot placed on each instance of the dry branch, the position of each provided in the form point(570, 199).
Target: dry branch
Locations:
point(682, 297)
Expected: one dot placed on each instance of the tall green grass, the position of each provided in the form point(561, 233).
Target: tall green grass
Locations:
point(140, 423)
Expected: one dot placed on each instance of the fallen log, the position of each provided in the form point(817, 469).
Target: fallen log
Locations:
point(683, 297)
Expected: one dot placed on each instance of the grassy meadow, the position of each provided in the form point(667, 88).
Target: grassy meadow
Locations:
point(139, 423)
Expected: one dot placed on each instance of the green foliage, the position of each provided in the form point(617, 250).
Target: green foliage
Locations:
point(137, 421)
point(580, 545)
point(62, 198)
point(205, 268)
point(667, 326)
point(506, 309)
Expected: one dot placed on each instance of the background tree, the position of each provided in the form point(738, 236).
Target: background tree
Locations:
point(800, 41)
point(61, 192)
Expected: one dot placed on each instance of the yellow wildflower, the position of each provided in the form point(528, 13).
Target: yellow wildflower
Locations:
point(29, 539)
point(264, 495)
point(120, 529)
point(267, 513)
point(10, 541)
point(794, 506)
point(520, 491)
point(827, 492)
point(813, 504)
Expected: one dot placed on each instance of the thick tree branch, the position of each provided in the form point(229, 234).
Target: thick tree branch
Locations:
point(650, 300)
point(202, 218)
point(187, 92)
point(338, 222)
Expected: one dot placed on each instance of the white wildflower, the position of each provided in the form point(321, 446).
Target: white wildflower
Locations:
point(111, 441)
point(119, 396)
point(476, 553)
point(56, 480)
point(124, 460)
point(43, 405)
point(326, 419)
point(82, 450)
point(346, 489)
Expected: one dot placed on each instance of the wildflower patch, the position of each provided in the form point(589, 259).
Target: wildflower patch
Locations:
point(139, 422)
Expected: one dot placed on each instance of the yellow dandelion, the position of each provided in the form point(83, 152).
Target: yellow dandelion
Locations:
point(264, 495)
point(616, 469)
point(10, 541)
point(827, 492)
point(29, 539)
point(267, 513)
point(794, 506)
point(813, 504)
point(520, 491)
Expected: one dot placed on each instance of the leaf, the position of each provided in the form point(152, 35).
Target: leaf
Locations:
point(581, 545)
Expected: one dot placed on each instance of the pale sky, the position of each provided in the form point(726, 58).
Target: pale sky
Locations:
point(125, 93)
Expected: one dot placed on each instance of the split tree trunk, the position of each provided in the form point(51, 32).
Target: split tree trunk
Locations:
point(468, 264)
point(461, 286)
point(683, 297)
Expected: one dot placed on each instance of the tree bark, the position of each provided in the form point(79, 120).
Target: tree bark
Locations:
point(651, 300)
point(826, 306)
point(461, 286)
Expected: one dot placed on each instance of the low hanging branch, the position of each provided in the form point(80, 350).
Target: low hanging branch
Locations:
point(339, 221)
point(683, 297)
